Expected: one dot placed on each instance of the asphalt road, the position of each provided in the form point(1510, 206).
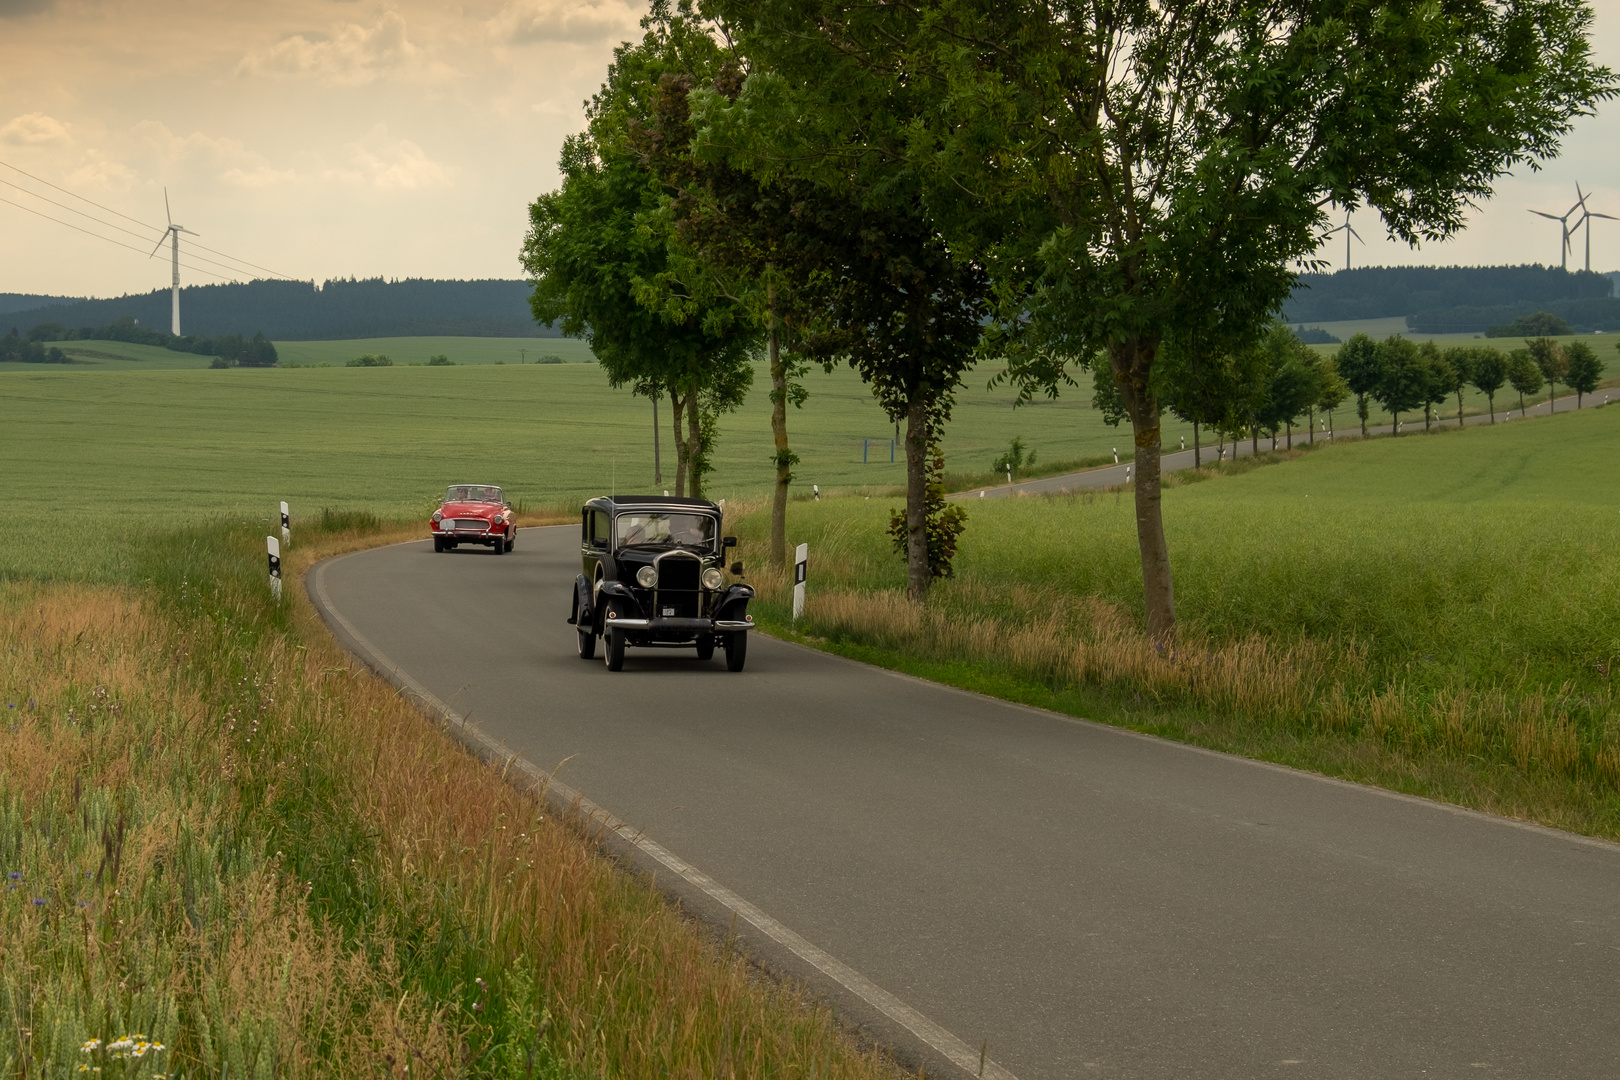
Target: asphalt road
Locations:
point(1079, 900)
point(1173, 459)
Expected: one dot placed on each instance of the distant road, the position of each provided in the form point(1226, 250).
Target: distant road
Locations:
point(1114, 475)
point(1073, 899)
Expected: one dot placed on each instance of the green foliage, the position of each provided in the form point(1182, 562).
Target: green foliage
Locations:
point(1014, 458)
point(441, 360)
point(1293, 380)
point(1487, 371)
point(255, 352)
point(220, 362)
point(371, 360)
point(1524, 374)
point(1403, 377)
point(29, 350)
point(1585, 369)
point(1455, 299)
point(944, 522)
point(550, 358)
point(1540, 324)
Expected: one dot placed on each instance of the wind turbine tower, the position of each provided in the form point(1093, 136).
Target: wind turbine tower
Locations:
point(172, 235)
point(1586, 219)
point(1349, 231)
point(1563, 224)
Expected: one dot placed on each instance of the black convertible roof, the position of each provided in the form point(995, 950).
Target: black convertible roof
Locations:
point(655, 500)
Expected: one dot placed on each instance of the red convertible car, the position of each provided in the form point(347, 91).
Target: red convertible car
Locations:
point(473, 514)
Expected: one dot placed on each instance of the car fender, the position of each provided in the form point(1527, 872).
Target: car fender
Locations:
point(582, 614)
point(618, 590)
point(734, 602)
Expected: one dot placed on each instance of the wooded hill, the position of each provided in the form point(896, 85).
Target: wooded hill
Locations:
point(1456, 299)
point(303, 311)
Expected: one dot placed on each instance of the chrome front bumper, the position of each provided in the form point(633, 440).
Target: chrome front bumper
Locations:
point(681, 626)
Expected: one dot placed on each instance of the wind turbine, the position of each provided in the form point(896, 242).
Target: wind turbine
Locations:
point(1563, 224)
point(1586, 219)
point(172, 235)
point(1349, 231)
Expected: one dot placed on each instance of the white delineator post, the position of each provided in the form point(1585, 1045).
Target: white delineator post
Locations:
point(801, 560)
point(274, 547)
point(286, 525)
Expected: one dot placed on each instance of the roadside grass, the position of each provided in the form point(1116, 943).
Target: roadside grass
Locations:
point(222, 835)
point(1437, 615)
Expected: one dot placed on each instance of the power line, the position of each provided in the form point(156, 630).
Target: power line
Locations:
point(108, 239)
point(126, 217)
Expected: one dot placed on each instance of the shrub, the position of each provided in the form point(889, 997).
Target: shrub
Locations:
point(551, 358)
point(1541, 324)
point(220, 362)
point(440, 360)
point(371, 360)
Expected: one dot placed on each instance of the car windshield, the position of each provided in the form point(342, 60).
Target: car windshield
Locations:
point(659, 527)
point(478, 493)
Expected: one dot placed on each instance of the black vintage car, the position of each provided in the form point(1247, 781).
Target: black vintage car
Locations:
point(655, 577)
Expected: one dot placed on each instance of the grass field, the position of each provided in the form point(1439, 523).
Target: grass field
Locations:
point(123, 356)
point(1436, 614)
point(138, 449)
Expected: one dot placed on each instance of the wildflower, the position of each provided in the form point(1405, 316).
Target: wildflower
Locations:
point(90, 1046)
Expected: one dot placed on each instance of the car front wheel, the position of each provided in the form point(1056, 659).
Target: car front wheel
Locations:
point(438, 543)
point(587, 645)
point(511, 540)
point(613, 649)
point(736, 650)
point(705, 646)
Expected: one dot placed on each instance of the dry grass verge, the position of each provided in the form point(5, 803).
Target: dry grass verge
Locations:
point(229, 839)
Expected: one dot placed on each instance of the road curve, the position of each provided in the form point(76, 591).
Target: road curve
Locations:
point(1082, 900)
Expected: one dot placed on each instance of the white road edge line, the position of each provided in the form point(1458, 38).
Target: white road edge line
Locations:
point(880, 999)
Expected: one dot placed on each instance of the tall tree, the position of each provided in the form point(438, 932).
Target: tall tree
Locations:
point(1135, 172)
point(1332, 394)
point(1293, 381)
point(1460, 367)
point(1487, 371)
point(1438, 379)
point(1585, 369)
point(596, 243)
point(1523, 375)
point(1553, 361)
point(1404, 379)
point(1357, 360)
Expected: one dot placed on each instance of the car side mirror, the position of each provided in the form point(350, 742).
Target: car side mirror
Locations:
point(728, 541)
point(736, 568)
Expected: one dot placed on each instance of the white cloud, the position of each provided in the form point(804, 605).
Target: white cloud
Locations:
point(527, 22)
point(352, 55)
point(389, 163)
point(34, 129)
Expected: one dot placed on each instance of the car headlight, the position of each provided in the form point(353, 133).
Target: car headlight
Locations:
point(498, 519)
point(712, 578)
point(647, 577)
point(437, 516)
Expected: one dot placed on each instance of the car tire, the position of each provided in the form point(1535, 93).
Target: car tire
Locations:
point(587, 645)
point(705, 646)
point(499, 547)
point(613, 649)
point(736, 650)
point(438, 544)
point(511, 540)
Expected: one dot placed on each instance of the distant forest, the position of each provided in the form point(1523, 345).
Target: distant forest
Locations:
point(302, 311)
point(1456, 299)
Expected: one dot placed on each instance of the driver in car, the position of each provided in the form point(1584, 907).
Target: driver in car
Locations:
point(689, 531)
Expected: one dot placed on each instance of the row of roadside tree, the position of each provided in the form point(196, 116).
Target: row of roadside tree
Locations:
point(1064, 188)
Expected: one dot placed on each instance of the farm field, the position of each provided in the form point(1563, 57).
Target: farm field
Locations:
point(125, 356)
point(143, 449)
point(1436, 614)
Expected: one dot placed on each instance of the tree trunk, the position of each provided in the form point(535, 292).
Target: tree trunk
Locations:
point(1198, 461)
point(1491, 400)
point(917, 576)
point(1552, 397)
point(1290, 435)
point(1427, 412)
point(694, 446)
point(1254, 440)
point(1313, 427)
point(784, 461)
point(658, 460)
point(1131, 363)
point(1394, 423)
point(1361, 410)
point(1521, 405)
point(677, 405)
point(1459, 409)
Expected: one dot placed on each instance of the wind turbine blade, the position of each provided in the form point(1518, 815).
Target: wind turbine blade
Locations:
point(187, 231)
point(166, 213)
point(1355, 234)
point(162, 238)
point(1549, 217)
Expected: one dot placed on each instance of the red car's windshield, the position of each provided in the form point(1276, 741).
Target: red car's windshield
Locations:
point(478, 493)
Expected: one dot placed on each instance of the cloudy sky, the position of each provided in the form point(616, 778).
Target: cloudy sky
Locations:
point(320, 138)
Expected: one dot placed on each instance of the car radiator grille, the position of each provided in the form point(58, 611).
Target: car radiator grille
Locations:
point(474, 524)
point(678, 587)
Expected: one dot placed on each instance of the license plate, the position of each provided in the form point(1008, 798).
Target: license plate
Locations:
point(669, 612)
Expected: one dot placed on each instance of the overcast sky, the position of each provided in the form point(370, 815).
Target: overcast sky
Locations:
point(327, 139)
